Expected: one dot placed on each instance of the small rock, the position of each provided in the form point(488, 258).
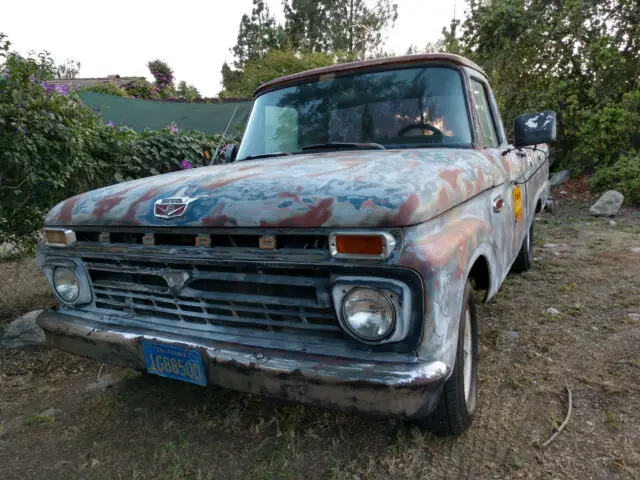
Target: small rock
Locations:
point(552, 311)
point(563, 192)
point(612, 223)
point(24, 332)
point(94, 462)
point(104, 382)
point(635, 249)
point(559, 178)
point(594, 328)
point(50, 412)
point(555, 245)
point(634, 316)
point(513, 460)
point(510, 334)
point(608, 204)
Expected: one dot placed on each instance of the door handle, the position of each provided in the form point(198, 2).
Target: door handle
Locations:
point(498, 203)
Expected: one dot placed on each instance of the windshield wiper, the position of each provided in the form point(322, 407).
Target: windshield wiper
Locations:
point(344, 145)
point(266, 155)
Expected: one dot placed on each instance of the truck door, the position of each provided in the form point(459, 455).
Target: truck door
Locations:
point(510, 170)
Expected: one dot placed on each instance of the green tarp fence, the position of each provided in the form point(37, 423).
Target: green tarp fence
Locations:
point(143, 114)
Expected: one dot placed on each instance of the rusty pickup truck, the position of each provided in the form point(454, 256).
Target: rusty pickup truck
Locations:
point(332, 260)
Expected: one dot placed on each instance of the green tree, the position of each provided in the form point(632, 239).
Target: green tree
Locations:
point(187, 92)
point(333, 26)
point(577, 57)
point(275, 64)
point(258, 33)
point(68, 70)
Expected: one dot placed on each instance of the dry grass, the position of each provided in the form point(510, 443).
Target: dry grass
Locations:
point(144, 427)
point(22, 288)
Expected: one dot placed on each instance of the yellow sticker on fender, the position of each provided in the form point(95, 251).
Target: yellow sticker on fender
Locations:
point(517, 203)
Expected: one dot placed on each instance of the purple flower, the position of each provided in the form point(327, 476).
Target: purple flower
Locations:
point(110, 124)
point(185, 164)
point(5, 74)
point(62, 89)
point(33, 78)
point(173, 127)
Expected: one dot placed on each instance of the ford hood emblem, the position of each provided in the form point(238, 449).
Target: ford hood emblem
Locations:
point(173, 207)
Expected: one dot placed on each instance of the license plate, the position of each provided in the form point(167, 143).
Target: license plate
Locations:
point(174, 361)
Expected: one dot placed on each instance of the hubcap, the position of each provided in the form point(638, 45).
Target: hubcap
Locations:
point(467, 354)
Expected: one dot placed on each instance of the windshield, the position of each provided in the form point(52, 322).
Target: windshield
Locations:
point(411, 107)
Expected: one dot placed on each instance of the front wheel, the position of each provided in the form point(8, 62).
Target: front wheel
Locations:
point(456, 407)
point(524, 260)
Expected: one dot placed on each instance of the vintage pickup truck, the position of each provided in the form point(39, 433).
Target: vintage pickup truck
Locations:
point(331, 261)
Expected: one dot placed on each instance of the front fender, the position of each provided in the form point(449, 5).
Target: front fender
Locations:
point(444, 251)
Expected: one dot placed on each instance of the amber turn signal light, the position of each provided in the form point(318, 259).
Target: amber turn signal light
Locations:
point(355, 245)
point(59, 237)
point(359, 244)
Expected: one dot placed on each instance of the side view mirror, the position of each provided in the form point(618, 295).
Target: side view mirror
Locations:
point(535, 128)
point(230, 152)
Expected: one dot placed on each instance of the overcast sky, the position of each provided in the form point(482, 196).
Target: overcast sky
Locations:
point(193, 36)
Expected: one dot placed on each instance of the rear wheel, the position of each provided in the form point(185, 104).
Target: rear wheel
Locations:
point(524, 260)
point(456, 407)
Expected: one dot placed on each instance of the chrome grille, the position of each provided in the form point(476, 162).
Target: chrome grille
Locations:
point(203, 297)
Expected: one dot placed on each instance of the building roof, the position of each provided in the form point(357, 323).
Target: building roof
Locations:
point(78, 83)
point(345, 68)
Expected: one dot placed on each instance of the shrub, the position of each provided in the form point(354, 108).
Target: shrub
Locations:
point(161, 151)
point(623, 175)
point(139, 89)
point(51, 147)
point(604, 132)
point(107, 89)
point(162, 74)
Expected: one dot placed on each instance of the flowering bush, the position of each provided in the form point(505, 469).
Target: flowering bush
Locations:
point(52, 147)
point(163, 75)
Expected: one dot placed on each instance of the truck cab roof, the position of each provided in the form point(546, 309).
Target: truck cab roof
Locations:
point(326, 73)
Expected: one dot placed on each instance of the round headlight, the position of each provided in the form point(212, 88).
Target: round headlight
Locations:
point(66, 284)
point(368, 314)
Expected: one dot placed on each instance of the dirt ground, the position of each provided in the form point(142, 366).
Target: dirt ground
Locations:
point(131, 426)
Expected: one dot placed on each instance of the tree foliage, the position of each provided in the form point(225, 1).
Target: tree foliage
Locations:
point(342, 29)
point(258, 33)
point(580, 58)
point(274, 64)
point(332, 26)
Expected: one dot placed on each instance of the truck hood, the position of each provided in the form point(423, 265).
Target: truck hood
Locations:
point(380, 188)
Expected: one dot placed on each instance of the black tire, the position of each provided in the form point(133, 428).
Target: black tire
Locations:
point(524, 260)
point(455, 411)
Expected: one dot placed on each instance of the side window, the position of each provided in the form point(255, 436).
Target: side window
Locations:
point(484, 114)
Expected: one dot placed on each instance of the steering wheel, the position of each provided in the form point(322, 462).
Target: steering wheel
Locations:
point(422, 126)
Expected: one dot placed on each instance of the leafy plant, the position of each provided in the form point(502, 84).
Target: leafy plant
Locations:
point(623, 176)
point(51, 145)
point(140, 89)
point(107, 89)
point(187, 92)
point(163, 75)
point(161, 151)
point(274, 64)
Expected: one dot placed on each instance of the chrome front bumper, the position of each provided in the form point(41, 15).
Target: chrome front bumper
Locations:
point(405, 390)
